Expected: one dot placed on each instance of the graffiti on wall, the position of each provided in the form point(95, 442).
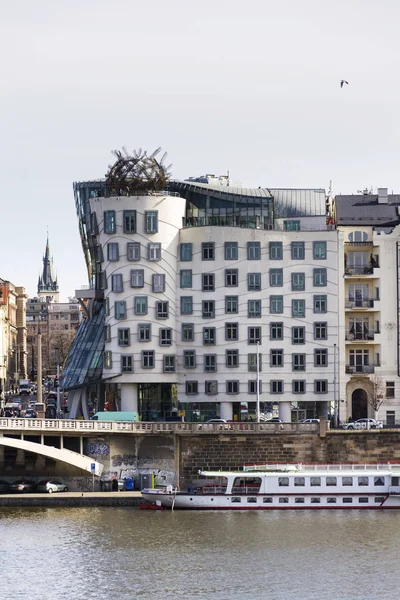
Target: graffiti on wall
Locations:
point(91, 447)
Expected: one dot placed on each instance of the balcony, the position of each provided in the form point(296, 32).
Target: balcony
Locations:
point(88, 292)
point(359, 243)
point(356, 336)
point(357, 270)
point(360, 369)
point(356, 303)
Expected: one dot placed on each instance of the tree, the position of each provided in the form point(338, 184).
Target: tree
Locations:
point(376, 395)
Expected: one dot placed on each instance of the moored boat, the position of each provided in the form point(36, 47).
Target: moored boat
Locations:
point(287, 486)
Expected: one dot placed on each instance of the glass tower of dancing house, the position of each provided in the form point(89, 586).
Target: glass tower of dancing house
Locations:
point(189, 285)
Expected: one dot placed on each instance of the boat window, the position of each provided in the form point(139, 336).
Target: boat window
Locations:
point(253, 500)
point(347, 481)
point(315, 500)
point(283, 481)
point(331, 481)
point(363, 500)
point(379, 499)
point(331, 500)
point(213, 486)
point(347, 500)
point(299, 481)
point(379, 481)
point(315, 481)
point(283, 500)
point(363, 481)
point(299, 500)
point(267, 500)
point(235, 499)
point(246, 485)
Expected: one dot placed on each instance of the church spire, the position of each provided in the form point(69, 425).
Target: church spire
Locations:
point(47, 284)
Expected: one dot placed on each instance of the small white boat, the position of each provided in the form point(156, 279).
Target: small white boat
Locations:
point(290, 486)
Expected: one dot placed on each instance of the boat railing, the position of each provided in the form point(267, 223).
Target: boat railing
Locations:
point(322, 467)
point(208, 489)
point(241, 489)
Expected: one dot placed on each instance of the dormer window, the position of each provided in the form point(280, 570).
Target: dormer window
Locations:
point(358, 236)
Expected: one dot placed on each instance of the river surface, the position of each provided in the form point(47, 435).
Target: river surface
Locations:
point(121, 553)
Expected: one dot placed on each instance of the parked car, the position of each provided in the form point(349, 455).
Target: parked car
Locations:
point(309, 421)
point(4, 487)
point(23, 486)
point(363, 424)
point(51, 486)
point(30, 414)
point(274, 420)
point(216, 421)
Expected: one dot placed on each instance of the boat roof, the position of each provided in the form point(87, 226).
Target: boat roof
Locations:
point(269, 470)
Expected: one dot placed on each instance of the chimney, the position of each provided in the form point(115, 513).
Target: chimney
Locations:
point(383, 196)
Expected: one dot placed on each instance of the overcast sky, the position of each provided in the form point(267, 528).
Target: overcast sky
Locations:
point(251, 87)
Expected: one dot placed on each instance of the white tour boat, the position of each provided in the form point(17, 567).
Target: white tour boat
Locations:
point(264, 487)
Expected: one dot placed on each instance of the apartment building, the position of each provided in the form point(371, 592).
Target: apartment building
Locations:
point(13, 356)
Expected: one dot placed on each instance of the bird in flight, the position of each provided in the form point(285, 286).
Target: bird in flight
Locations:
point(342, 82)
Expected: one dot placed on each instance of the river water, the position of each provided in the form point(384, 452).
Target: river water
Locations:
point(121, 553)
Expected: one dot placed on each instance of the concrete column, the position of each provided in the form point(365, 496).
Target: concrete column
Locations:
point(285, 412)
point(81, 444)
point(226, 411)
point(129, 396)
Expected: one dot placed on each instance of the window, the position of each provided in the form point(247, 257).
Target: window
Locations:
point(231, 304)
point(109, 221)
point(133, 250)
point(319, 250)
point(298, 386)
point(276, 304)
point(297, 250)
point(291, 225)
point(347, 500)
point(210, 363)
point(232, 387)
point(124, 337)
point(186, 252)
point(107, 333)
point(106, 306)
point(275, 250)
point(108, 359)
point(254, 335)
point(126, 363)
point(113, 251)
point(187, 332)
point(148, 359)
point(276, 358)
point(319, 277)
point(276, 386)
point(140, 305)
point(363, 481)
point(99, 253)
point(117, 283)
point(254, 308)
point(158, 282)
point(252, 362)
point(211, 387)
point(151, 221)
point(315, 481)
point(298, 335)
point(186, 305)
point(276, 277)
point(379, 481)
point(165, 336)
point(320, 358)
point(120, 310)
point(189, 359)
point(320, 304)
point(320, 386)
point(154, 251)
point(347, 481)
point(208, 309)
point(298, 282)
point(276, 331)
point(144, 332)
point(232, 358)
point(208, 283)
point(283, 481)
point(209, 336)
point(231, 331)
point(331, 481)
point(162, 309)
point(253, 251)
point(186, 278)
point(208, 251)
point(390, 389)
point(299, 500)
point(254, 282)
point(298, 362)
point(252, 386)
point(231, 277)
point(231, 251)
point(129, 219)
point(137, 278)
point(299, 482)
point(320, 331)
point(102, 280)
point(191, 387)
point(169, 363)
point(298, 308)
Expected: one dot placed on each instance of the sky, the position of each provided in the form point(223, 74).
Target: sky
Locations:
point(251, 87)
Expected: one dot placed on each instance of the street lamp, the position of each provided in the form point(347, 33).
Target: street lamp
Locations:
point(57, 353)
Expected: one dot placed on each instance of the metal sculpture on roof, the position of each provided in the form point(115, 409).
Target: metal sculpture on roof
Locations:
point(138, 172)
